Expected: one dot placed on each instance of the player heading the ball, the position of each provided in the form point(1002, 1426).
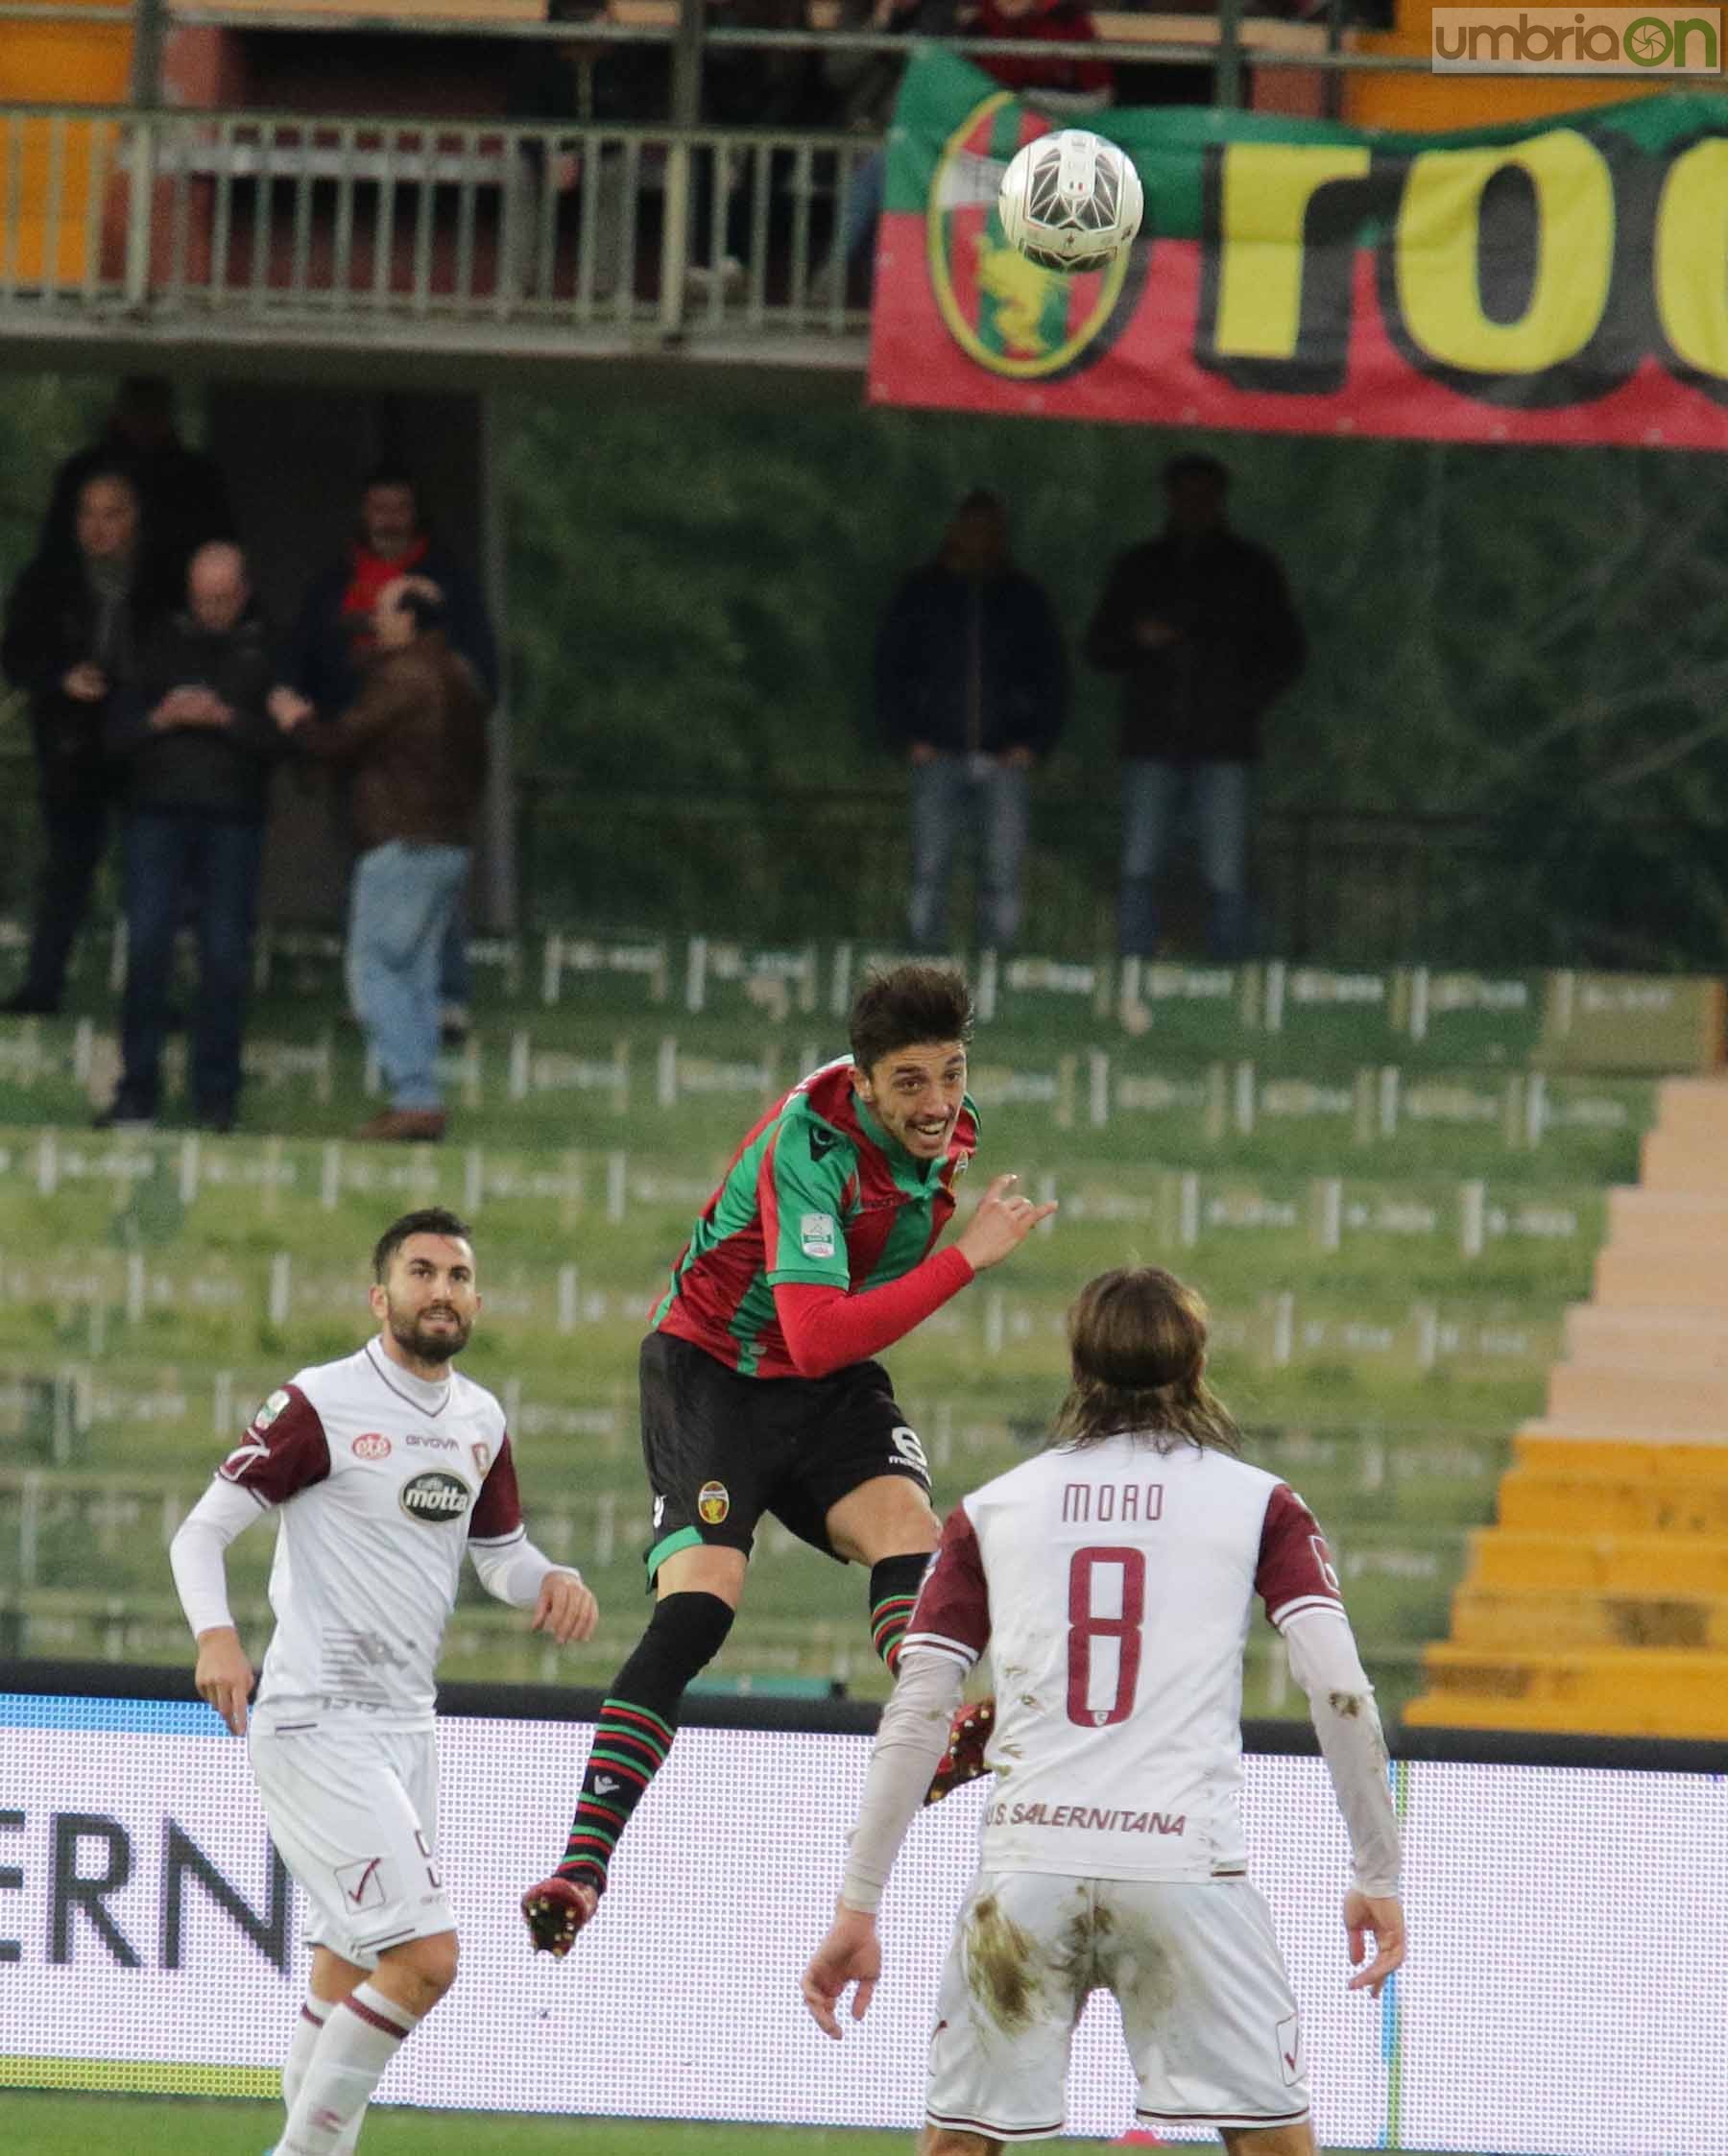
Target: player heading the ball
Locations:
point(385, 1466)
point(1115, 1575)
point(759, 1393)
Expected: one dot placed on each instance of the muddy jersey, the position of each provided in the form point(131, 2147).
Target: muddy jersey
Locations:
point(1112, 1588)
point(382, 1479)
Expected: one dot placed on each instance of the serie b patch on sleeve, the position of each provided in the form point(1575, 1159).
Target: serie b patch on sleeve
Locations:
point(817, 1234)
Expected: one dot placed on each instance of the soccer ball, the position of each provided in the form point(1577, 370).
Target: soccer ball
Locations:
point(1070, 201)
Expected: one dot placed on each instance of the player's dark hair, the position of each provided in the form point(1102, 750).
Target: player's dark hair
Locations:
point(1136, 1352)
point(429, 1220)
point(908, 1007)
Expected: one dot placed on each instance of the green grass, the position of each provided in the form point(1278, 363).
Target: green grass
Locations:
point(75, 2126)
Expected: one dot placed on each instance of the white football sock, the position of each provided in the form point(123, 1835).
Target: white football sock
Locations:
point(347, 2063)
point(308, 2027)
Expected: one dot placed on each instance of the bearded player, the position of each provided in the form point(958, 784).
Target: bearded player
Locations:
point(385, 1466)
point(1115, 1574)
point(758, 1391)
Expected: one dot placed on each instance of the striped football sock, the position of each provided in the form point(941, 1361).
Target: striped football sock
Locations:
point(630, 1745)
point(894, 1585)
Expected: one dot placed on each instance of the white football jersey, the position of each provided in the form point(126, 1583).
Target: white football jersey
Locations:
point(1113, 1588)
point(383, 1480)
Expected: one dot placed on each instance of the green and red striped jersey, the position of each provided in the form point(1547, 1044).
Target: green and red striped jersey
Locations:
point(818, 1192)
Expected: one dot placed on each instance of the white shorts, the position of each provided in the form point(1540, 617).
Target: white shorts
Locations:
point(1212, 2027)
point(354, 1814)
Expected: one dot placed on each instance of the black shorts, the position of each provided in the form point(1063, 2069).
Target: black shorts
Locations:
point(721, 1449)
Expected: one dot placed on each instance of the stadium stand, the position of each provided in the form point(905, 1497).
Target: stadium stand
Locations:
point(1596, 1600)
point(1388, 1194)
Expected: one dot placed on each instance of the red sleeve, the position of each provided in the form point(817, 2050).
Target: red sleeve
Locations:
point(952, 1613)
point(284, 1449)
point(1295, 1569)
point(825, 1328)
point(497, 1514)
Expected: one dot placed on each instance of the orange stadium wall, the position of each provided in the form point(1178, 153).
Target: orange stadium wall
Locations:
point(60, 63)
point(1422, 102)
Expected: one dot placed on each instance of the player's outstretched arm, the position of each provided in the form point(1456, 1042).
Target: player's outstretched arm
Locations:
point(1001, 1221)
point(224, 1676)
point(1380, 1917)
point(851, 1953)
point(566, 1608)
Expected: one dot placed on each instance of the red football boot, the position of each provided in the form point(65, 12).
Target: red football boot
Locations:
point(555, 1910)
point(964, 1759)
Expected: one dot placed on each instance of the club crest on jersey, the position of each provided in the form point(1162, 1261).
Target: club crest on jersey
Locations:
point(371, 1445)
point(482, 1460)
point(271, 1410)
point(816, 1234)
point(434, 1497)
point(714, 1501)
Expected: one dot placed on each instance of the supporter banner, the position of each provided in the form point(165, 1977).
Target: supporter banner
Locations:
point(1553, 281)
point(148, 1939)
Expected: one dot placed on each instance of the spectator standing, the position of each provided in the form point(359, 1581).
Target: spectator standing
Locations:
point(1200, 625)
point(193, 744)
point(333, 640)
point(971, 687)
point(1064, 86)
point(416, 741)
point(76, 620)
point(183, 495)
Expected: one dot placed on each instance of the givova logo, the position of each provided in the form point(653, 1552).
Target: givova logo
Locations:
point(1578, 41)
point(434, 1497)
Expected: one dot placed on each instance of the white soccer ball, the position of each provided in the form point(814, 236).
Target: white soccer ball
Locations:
point(1070, 201)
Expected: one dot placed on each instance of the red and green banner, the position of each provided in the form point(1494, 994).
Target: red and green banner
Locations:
point(1562, 281)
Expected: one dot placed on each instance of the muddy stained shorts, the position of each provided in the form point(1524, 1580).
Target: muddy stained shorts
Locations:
point(354, 1812)
point(1210, 2023)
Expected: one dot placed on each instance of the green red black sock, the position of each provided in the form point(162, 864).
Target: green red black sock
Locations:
point(893, 1584)
point(638, 1723)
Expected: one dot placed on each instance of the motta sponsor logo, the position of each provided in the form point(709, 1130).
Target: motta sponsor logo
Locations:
point(1578, 41)
point(435, 1496)
point(371, 1445)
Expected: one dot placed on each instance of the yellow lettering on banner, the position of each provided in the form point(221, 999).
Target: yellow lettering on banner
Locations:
point(1266, 191)
point(1691, 257)
point(1438, 255)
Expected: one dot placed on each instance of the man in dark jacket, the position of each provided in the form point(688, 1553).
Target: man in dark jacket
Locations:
point(971, 686)
point(77, 619)
point(332, 640)
point(415, 741)
point(1200, 625)
point(192, 743)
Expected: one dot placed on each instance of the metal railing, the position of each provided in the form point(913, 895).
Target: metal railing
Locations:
point(279, 221)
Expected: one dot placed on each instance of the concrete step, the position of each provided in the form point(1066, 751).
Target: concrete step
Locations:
point(1648, 1565)
point(1643, 1219)
point(1688, 1402)
point(1637, 1691)
point(1462, 1709)
point(1675, 1279)
point(1536, 1500)
point(1697, 1106)
point(1545, 1621)
point(1612, 1335)
point(1681, 1161)
point(1549, 1446)
point(1588, 1435)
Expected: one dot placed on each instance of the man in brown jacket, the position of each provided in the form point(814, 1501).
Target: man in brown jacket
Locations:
point(416, 742)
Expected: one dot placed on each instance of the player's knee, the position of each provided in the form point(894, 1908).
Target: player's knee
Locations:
point(686, 1631)
point(432, 1965)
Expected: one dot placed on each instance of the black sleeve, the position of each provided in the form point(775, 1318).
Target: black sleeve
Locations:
point(897, 700)
point(32, 655)
point(1110, 643)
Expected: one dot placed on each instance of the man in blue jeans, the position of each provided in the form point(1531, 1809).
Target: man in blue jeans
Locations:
point(415, 741)
point(971, 687)
point(1200, 626)
point(193, 744)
